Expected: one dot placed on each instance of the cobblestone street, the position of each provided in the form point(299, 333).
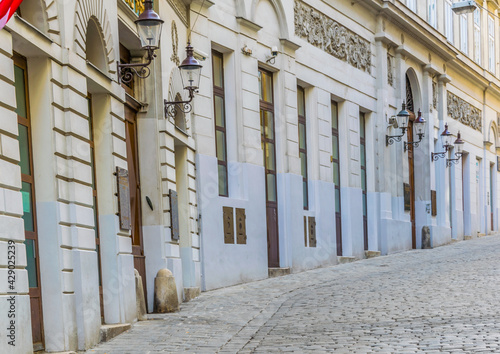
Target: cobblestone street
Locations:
point(440, 300)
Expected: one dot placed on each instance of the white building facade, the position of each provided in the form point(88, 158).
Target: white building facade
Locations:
point(283, 164)
point(88, 165)
point(292, 150)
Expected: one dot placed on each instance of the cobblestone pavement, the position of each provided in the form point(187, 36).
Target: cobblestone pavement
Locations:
point(440, 300)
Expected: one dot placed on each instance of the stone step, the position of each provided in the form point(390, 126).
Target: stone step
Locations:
point(278, 272)
point(110, 331)
point(467, 237)
point(191, 293)
point(372, 254)
point(479, 234)
point(345, 259)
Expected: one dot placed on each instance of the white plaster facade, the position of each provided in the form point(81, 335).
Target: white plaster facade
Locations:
point(244, 32)
point(181, 155)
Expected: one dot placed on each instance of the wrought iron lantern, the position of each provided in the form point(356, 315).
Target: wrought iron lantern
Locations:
point(446, 138)
point(401, 122)
point(420, 124)
point(190, 70)
point(149, 26)
point(459, 145)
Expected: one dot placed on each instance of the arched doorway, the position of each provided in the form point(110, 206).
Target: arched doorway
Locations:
point(410, 188)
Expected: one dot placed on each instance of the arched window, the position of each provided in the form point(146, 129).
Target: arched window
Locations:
point(180, 119)
point(33, 11)
point(95, 46)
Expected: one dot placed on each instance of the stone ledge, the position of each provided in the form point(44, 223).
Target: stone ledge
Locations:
point(278, 272)
point(110, 331)
point(344, 259)
point(372, 254)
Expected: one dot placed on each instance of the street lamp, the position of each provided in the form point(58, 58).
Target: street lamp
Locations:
point(190, 70)
point(446, 138)
point(459, 145)
point(420, 123)
point(401, 122)
point(149, 26)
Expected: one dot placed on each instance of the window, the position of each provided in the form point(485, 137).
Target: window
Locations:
point(412, 4)
point(477, 36)
point(448, 18)
point(125, 58)
point(336, 175)
point(303, 144)
point(220, 121)
point(28, 194)
point(491, 44)
point(432, 12)
point(267, 133)
point(362, 148)
point(464, 34)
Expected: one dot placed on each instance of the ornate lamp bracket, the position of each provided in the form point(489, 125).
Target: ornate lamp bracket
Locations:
point(449, 162)
point(436, 155)
point(126, 71)
point(414, 143)
point(173, 107)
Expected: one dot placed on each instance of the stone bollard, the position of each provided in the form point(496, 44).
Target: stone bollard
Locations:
point(140, 302)
point(426, 237)
point(166, 299)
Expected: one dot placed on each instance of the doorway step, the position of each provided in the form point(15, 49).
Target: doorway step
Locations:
point(345, 259)
point(278, 272)
point(372, 254)
point(191, 293)
point(110, 331)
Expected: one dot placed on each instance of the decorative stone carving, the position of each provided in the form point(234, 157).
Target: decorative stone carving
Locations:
point(498, 120)
point(328, 35)
point(464, 112)
point(181, 9)
point(390, 71)
point(175, 45)
point(434, 95)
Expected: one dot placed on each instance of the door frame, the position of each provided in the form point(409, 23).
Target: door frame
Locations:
point(265, 106)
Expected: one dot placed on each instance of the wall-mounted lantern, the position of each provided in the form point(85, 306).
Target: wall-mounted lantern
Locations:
point(459, 145)
point(190, 70)
point(400, 121)
point(447, 138)
point(149, 26)
point(420, 123)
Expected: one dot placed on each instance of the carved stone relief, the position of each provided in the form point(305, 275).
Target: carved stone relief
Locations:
point(175, 45)
point(464, 112)
point(390, 70)
point(328, 35)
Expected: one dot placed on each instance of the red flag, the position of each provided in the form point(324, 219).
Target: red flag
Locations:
point(7, 9)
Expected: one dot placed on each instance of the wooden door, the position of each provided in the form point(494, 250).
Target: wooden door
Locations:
point(28, 197)
point(412, 185)
point(268, 140)
point(135, 193)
